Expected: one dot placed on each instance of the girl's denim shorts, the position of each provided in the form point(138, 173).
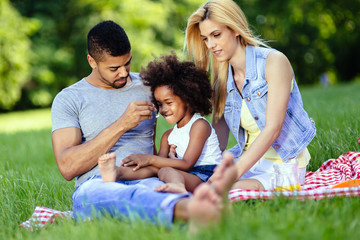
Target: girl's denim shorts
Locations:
point(203, 172)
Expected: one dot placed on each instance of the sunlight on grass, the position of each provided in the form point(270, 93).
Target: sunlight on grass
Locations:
point(25, 120)
point(29, 177)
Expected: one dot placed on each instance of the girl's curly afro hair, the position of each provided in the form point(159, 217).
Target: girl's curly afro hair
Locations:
point(186, 81)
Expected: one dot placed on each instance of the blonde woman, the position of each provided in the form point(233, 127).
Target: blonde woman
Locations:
point(256, 96)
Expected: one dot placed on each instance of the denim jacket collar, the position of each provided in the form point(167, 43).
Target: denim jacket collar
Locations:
point(230, 85)
point(251, 72)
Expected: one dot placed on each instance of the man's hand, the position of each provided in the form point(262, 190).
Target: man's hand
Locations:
point(140, 160)
point(135, 113)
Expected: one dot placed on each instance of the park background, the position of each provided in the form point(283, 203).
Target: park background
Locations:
point(43, 42)
point(43, 50)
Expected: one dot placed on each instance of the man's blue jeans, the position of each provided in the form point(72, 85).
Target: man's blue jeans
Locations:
point(133, 199)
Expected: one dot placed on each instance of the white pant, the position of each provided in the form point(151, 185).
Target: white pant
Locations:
point(263, 171)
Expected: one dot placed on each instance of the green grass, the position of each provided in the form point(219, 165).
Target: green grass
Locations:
point(29, 178)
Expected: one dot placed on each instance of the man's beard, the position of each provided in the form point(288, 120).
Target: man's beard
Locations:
point(116, 86)
point(113, 84)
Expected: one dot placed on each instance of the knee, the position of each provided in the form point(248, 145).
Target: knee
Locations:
point(256, 184)
point(249, 184)
point(259, 186)
point(163, 172)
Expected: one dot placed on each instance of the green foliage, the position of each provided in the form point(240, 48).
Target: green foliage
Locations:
point(317, 36)
point(14, 53)
point(43, 45)
point(59, 47)
point(336, 111)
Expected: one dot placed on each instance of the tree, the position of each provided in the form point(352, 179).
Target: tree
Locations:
point(318, 36)
point(59, 47)
point(14, 53)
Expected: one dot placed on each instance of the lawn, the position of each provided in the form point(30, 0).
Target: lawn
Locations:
point(29, 178)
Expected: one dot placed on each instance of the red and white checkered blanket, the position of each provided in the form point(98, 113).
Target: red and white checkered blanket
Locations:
point(318, 185)
point(43, 216)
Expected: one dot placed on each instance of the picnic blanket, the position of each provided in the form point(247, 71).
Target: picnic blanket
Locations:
point(318, 185)
point(43, 216)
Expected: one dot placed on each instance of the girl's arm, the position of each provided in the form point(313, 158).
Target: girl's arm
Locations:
point(164, 145)
point(199, 133)
point(154, 137)
point(278, 74)
point(143, 160)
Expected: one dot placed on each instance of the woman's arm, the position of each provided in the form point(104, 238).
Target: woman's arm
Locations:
point(278, 74)
point(199, 133)
point(222, 132)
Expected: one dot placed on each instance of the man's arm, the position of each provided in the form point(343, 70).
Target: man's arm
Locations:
point(74, 158)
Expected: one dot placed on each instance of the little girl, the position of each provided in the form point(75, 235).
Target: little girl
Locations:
point(181, 92)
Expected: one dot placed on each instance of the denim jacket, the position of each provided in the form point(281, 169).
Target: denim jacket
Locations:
point(298, 129)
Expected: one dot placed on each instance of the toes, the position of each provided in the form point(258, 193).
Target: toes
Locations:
point(160, 188)
point(228, 158)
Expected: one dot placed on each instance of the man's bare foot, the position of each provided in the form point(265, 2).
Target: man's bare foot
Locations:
point(204, 208)
point(172, 188)
point(107, 167)
point(210, 199)
point(228, 174)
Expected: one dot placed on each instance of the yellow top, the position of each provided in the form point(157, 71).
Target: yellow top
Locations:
point(252, 131)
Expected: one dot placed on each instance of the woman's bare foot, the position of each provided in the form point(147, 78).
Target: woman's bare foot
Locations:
point(172, 188)
point(107, 167)
point(210, 199)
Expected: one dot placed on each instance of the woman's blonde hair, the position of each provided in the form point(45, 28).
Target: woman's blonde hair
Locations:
point(226, 12)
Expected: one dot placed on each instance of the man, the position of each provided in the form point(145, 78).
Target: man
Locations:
point(110, 111)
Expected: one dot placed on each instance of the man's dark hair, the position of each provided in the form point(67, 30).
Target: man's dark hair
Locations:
point(107, 37)
point(186, 81)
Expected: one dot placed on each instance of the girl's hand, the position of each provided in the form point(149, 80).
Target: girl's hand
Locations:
point(140, 160)
point(172, 152)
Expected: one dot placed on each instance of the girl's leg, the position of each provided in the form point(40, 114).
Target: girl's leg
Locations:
point(112, 173)
point(177, 181)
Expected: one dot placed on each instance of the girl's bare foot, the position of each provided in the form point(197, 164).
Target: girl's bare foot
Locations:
point(107, 167)
point(172, 188)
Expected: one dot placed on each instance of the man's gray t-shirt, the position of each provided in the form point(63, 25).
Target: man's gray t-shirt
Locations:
point(93, 109)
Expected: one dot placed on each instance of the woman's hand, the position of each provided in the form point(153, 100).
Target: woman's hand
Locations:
point(140, 160)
